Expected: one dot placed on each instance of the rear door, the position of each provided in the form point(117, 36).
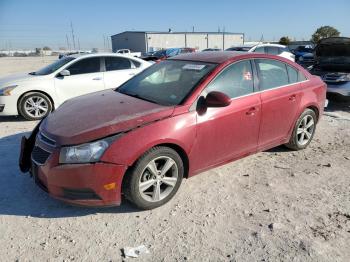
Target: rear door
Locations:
point(280, 99)
point(118, 70)
point(85, 77)
point(229, 132)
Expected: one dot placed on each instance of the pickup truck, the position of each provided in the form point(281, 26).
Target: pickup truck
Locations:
point(128, 52)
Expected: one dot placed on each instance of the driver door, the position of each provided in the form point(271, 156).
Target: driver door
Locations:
point(230, 132)
point(85, 77)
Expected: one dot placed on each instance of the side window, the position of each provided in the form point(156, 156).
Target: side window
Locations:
point(293, 74)
point(117, 63)
point(301, 77)
point(85, 66)
point(272, 73)
point(272, 50)
point(260, 49)
point(136, 63)
point(235, 80)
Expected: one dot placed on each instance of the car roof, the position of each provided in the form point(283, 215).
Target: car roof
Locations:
point(99, 55)
point(276, 45)
point(217, 57)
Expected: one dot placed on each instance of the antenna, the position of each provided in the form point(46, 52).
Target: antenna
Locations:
point(73, 38)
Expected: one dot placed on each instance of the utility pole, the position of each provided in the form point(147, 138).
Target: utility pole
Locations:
point(193, 29)
point(68, 46)
point(78, 44)
point(104, 43)
point(73, 37)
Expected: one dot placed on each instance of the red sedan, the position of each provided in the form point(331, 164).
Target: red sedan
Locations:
point(174, 120)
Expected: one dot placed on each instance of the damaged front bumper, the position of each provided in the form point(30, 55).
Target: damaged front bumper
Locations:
point(95, 184)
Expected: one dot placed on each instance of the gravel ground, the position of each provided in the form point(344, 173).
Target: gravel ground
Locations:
point(277, 205)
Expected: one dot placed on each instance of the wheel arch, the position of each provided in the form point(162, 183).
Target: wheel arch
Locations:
point(36, 91)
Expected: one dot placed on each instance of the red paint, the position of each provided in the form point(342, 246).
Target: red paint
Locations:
point(219, 135)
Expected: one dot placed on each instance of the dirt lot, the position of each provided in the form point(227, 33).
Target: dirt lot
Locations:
point(277, 205)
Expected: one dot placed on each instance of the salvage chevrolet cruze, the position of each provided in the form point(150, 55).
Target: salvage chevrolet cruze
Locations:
point(176, 119)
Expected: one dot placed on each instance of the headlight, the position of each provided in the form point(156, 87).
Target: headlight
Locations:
point(85, 153)
point(345, 78)
point(6, 91)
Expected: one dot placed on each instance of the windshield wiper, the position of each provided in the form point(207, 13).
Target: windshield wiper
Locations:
point(139, 97)
point(32, 73)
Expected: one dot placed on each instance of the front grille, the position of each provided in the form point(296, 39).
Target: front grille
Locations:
point(40, 155)
point(80, 194)
point(2, 107)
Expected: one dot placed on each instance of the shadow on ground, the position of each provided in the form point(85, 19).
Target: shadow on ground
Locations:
point(19, 196)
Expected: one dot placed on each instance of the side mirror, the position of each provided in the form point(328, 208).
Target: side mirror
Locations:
point(217, 99)
point(65, 72)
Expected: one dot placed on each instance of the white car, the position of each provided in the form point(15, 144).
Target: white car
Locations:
point(271, 49)
point(34, 95)
point(128, 52)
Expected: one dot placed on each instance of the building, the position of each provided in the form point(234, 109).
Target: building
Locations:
point(144, 41)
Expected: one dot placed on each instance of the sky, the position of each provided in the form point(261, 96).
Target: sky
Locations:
point(26, 24)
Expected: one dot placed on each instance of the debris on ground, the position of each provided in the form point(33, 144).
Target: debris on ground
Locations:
point(135, 251)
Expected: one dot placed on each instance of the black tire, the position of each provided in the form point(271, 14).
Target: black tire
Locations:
point(133, 177)
point(34, 96)
point(294, 143)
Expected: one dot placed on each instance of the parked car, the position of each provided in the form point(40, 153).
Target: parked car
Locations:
point(304, 55)
point(166, 53)
point(271, 49)
point(177, 118)
point(332, 63)
point(128, 52)
point(72, 53)
point(211, 49)
point(34, 95)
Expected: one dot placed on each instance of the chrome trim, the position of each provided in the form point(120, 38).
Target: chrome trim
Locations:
point(40, 135)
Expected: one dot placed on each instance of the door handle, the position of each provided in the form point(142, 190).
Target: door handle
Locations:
point(251, 111)
point(292, 98)
point(97, 78)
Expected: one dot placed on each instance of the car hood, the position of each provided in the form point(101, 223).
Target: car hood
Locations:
point(98, 115)
point(16, 78)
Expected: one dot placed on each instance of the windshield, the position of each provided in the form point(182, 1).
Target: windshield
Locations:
point(53, 67)
point(168, 82)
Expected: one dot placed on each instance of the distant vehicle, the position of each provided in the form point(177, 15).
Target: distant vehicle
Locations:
point(332, 64)
point(304, 55)
point(211, 49)
point(128, 52)
point(166, 53)
point(174, 120)
point(36, 94)
point(271, 49)
point(72, 53)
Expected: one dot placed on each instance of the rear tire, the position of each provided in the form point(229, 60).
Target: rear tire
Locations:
point(154, 179)
point(34, 106)
point(304, 130)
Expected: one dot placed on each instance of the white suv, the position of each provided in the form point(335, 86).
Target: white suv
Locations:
point(271, 49)
point(34, 95)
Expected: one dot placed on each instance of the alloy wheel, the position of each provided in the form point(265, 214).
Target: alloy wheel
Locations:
point(305, 130)
point(158, 179)
point(36, 106)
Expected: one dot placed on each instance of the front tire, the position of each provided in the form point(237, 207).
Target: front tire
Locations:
point(34, 106)
point(154, 179)
point(304, 130)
